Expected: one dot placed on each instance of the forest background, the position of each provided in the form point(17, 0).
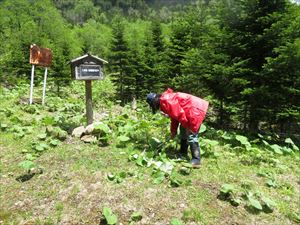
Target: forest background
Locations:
point(242, 56)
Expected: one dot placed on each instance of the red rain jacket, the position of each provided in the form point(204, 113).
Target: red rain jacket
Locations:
point(186, 109)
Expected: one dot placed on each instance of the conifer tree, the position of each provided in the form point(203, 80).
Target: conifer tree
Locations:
point(252, 42)
point(119, 62)
point(155, 59)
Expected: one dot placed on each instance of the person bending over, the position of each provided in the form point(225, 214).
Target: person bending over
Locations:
point(187, 110)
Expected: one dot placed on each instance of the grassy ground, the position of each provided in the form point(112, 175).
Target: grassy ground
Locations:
point(71, 186)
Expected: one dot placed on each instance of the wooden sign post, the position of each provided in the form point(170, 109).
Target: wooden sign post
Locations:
point(89, 101)
point(41, 57)
point(88, 68)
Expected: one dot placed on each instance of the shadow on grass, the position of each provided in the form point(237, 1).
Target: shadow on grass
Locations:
point(252, 210)
point(25, 177)
point(103, 222)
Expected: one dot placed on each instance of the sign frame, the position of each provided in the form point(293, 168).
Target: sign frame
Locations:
point(40, 56)
point(79, 72)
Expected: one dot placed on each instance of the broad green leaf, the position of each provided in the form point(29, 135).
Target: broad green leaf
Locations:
point(235, 201)
point(271, 183)
point(3, 126)
point(154, 143)
point(54, 142)
point(276, 148)
point(266, 143)
point(122, 174)
point(268, 203)
point(158, 177)
point(136, 216)
point(39, 148)
point(48, 121)
point(123, 138)
point(110, 176)
point(20, 134)
point(175, 181)
point(184, 170)
point(140, 161)
point(109, 216)
point(42, 136)
point(27, 164)
point(286, 149)
point(99, 126)
point(225, 136)
point(187, 165)
point(227, 188)
point(176, 221)
point(255, 203)
point(166, 167)
point(158, 180)
point(202, 128)
point(212, 143)
point(30, 157)
point(243, 140)
point(44, 145)
point(259, 135)
point(289, 141)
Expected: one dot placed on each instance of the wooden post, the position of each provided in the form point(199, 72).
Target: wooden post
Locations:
point(31, 85)
point(44, 86)
point(89, 102)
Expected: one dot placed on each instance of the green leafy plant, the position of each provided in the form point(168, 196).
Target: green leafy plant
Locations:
point(54, 142)
point(56, 132)
point(260, 202)
point(27, 165)
point(158, 176)
point(40, 147)
point(42, 136)
point(3, 126)
point(228, 193)
point(117, 178)
point(136, 216)
point(271, 183)
point(243, 141)
point(109, 216)
point(290, 142)
point(176, 221)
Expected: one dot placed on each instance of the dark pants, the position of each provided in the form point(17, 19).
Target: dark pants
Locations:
point(188, 135)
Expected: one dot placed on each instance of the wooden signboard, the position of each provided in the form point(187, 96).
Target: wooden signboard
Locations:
point(40, 56)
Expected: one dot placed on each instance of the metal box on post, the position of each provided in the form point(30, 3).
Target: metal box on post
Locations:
point(87, 67)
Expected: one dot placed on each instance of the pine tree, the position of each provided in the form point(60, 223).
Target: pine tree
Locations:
point(155, 59)
point(252, 42)
point(119, 62)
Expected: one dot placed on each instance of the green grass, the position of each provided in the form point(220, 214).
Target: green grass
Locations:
point(73, 186)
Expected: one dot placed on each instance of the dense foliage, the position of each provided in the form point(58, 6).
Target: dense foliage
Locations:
point(241, 55)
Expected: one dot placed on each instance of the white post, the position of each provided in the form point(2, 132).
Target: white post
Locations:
point(31, 84)
point(44, 88)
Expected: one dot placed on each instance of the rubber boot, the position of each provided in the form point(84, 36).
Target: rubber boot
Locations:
point(195, 149)
point(183, 149)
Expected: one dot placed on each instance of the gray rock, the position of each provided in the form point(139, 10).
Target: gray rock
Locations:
point(89, 139)
point(89, 129)
point(78, 131)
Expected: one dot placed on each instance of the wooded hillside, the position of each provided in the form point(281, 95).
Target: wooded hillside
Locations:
point(241, 55)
